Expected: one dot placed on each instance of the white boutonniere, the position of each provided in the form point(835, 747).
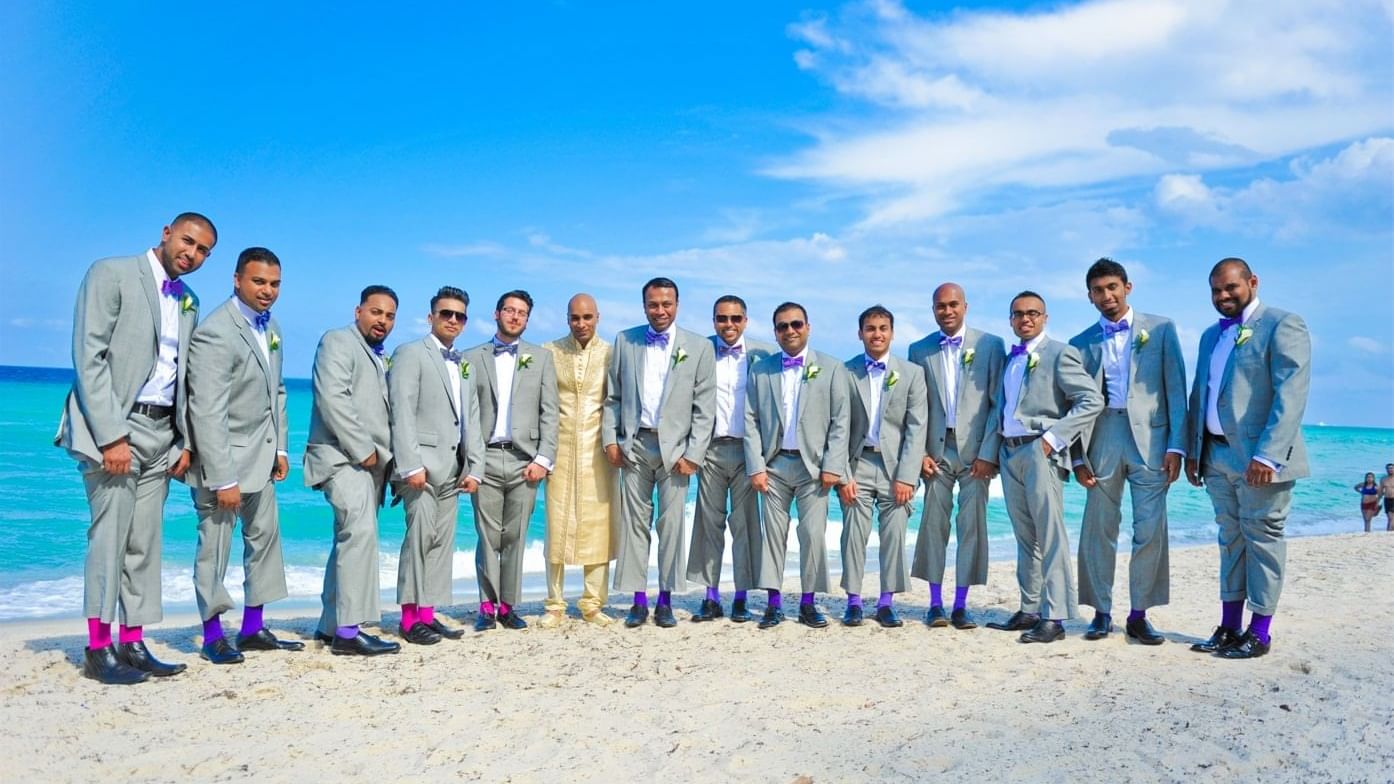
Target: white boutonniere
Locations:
point(273, 342)
point(524, 361)
point(1141, 339)
point(387, 364)
point(967, 359)
point(1246, 333)
point(811, 372)
point(1032, 360)
point(891, 379)
point(679, 356)
point(188, 303)
point(464, 369)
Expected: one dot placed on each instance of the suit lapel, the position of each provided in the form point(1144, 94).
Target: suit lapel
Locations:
point(443, 371)
point(372, 358)
point(147, 283)
point(935, 360)
point(859, 372)
point(249, 337)
point(490, 372)
point(1138, 328)
point(1253, 323)
point(672, 368)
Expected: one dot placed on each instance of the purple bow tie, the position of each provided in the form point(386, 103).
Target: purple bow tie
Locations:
point(792, 362)
point(652, 338)
point(955, 342)
point(872, 364)
point(1018, 350)
point(450, 355)
point(1113, 329)
point(172, 288)
point(262, 319)
point(511, 348)
point(1226, 323)
point(378, 350)
point(728, 351)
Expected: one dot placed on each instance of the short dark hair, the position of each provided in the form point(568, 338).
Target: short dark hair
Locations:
point(875, 310)
point(1027, 293)
point(783, 306)
point(514, 294)
point(263, 255)
point(449, 292)
point(376, 289)
point(659, 283)
point(196, 217)
point(1232, 260)
point(1105, 268)
point(728, 298)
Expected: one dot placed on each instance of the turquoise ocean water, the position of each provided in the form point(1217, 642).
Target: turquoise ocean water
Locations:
point(43, 511)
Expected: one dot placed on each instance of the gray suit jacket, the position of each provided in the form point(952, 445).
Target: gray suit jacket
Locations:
point(116, 342)
point(1156, 388)
point(688, 407)
point(533, 400)
point(237, 402)
point(349, 419)
point(1057, 397)
point(425, 424)
point(978, 418)
point(904, 411)
point(824, 417)
point(1263, 392)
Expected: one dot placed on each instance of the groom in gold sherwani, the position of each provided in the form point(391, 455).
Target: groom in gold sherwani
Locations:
point(579, 490)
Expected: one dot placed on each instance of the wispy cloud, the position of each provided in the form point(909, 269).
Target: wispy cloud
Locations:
point(485, 249)
point(1366, 345)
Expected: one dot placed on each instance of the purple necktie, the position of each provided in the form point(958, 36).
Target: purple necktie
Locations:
point(792, 362)
point(872, 364)
point(652, 338)
point(450, 355)
point(263, 318)
point(728, 351)
point(955, 342)
point(172, 288)
point(511, 348)
point(1113, 329)
point(1018, 350)
point(1226, 323)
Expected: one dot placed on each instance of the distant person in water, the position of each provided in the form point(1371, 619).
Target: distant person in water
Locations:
point(1370, 492)
point(1386, 486)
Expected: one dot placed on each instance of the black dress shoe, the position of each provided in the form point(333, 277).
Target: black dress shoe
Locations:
point(853, 615)
point(512, 620)
point(264, 640)
point(710, 611)
point(1099, 627)
point(104, 665)
point(1143, 632)
point(362, 645)
point(663, 616)
point(1044, 631)
point(637, 617)
point(1019, 622)
point(445, 631)
point(136, 655)
point(483, 622)
point(739, 613)
point(888, 619)
point(810, 616)
point(961, 619)
point(1248, 647)
point(421, 634)
point(1223, 637)
point(936, 618)
point(774, 616)
point(220, 651)
point(327, 639)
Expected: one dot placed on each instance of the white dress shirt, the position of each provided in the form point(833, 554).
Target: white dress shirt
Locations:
point(952, 357)
point(792, 379)
point(1118, 357)
point(731, 374)
point(1219, 358)
point(504, 366)
point(159, 388)
point(876, 380)
point(657, 362)
point(1013, 377)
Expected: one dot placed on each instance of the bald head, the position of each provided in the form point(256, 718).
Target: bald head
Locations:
point(582, 317)
point(950, 307)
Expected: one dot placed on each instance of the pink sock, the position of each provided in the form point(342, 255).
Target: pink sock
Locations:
point(504, 609)
point(98, 634)
point(408, 616)
point(131, 633)
point(425, 614)
point(486, 608)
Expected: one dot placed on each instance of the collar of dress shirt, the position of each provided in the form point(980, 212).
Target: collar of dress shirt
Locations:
point(247, 313)
point(961, 334)
point(436, 340)
point(1033, 343)
point(1249, 310)
point(1132, 325)
point(803, 354)
point(156, 267)
point(495, 341)
point(740, 341)
point(885, 359)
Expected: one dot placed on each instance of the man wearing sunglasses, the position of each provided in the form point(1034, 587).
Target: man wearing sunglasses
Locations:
point(439, 448)
point(657, 425)
point(796, 436)
point(723, 474)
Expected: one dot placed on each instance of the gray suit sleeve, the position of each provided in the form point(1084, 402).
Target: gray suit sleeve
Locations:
point(753, 443)
point(474, 439)
point(839, 405)
point(283, 434)
point(210, 392)
point(1086, 402)
point(992, 432)
point(703, 404)
point(610, 413)
point(912, 445)
point(1174, 377)
point(548, 415)
point(858, 425)
point(403, 385)
point(1290, 355)
point(94, 322)
point(333, 386)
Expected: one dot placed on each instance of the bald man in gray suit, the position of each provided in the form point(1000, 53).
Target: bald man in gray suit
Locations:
point(237, 417)
point(1245, 446)
point(125, 423)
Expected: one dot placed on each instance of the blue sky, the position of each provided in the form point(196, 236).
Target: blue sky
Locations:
point(835, 154)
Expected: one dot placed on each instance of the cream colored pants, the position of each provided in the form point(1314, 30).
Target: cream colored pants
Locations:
point(593, 594)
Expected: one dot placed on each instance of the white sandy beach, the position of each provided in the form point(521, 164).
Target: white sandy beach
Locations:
point(728, 702)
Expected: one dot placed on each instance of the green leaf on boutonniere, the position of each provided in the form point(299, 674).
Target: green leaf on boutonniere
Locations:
point(1245, 334)
point(524, 361)
point(464, 369)
point(188, 303)
point(274, 342)
point(967, 359)
point(1141, 339)
point(811, 372)
point(1032, 360)
point(679, 356)
point(892, 378)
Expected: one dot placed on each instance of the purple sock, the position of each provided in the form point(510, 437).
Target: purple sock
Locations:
point(212, 629)
point(641, 599)
point(854, 600)
point(1137, 615)
point(346, 632)
point(806, 598)
point(885, 601)
point(251, 620)
point(665, 598)
point(713, 594)
point(936, 595)
point(1258, 626)
point(960, 597)
point(740, 596)
point(1232, 614)
point(776, 599)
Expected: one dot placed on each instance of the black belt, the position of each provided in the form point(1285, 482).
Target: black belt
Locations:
point(500, 445)
point(875, 449)
point(153, 411)
point(653, 430)
point(726, 440)
point(948, 432)
point(789, 452)
point(1220, 439)
point(1016, 441)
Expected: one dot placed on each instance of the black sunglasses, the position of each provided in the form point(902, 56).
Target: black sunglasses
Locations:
point(795, 325)
point(457, 315)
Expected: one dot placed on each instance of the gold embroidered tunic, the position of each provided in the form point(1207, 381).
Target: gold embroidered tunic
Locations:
point(582, 483)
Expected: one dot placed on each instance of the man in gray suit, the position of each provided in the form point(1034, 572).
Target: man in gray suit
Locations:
point(124, 422)
point(1135, 359)
point(1245, 446)
point(889, 410)
point(656, 425)
point(963, 369)
point(347, 457)
point(1047, 401)
point(797, 422)
point(438, 447)
point(723, 473)
point(516, 386)
point(237, 418)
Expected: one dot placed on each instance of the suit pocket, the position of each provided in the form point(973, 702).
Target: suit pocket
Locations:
point(534, 434)
point(1159, 419)
point(427, 438)
point(237, 439)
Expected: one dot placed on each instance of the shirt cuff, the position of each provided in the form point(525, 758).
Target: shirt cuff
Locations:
point(223, 487)
point(282, 453)
point(1076, 464)
point(544, 462)
point(1054, 441)
point(1268, 463)
point(411, 473)
point(1181, 452)
point(475, 478)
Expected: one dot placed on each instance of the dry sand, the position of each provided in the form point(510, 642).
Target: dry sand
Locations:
point(728, 702)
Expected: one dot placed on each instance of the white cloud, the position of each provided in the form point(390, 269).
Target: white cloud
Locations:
point(1367, 345)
